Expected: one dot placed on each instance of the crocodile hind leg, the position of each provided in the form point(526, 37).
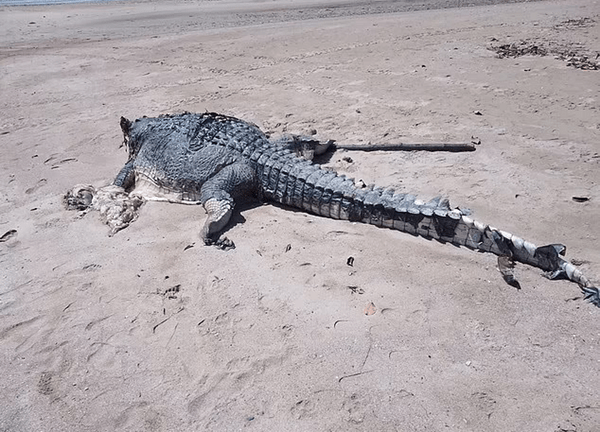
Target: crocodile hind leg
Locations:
point(218, 215)
point(218, 198)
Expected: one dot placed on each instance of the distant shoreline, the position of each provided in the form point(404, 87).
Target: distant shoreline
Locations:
point(49, 2)
point(393, 6)
point(103, 19)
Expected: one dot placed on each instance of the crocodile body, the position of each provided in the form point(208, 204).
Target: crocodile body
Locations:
point(214, 160)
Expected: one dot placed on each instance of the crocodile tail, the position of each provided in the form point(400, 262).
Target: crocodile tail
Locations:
point(304, 185)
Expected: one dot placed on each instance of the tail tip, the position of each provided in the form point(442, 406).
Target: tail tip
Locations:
point(591, 294)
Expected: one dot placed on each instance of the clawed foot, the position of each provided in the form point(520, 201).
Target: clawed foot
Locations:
point(222, 243)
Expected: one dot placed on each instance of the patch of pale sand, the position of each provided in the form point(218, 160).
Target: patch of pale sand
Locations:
point(142, 332)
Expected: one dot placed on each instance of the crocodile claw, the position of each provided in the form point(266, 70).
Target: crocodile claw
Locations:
point(222, 243)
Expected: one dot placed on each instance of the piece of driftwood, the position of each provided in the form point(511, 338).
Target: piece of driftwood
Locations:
point(451, 147)
point(308, 147)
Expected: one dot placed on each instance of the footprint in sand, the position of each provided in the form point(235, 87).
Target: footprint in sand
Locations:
point(39, 184)
point(8, 235)
point(44, 385)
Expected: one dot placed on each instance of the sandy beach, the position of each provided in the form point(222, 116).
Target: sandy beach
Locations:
point(150, 330)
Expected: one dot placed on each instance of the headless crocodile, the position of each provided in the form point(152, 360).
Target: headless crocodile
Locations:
point(215, 160)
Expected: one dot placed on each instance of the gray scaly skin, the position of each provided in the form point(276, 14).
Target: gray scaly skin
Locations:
point(214, 160)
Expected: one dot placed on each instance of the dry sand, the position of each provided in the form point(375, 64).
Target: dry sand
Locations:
point(139, 332)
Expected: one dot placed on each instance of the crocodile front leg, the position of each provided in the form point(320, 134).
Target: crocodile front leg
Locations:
point(126, 177)
point(218, 198)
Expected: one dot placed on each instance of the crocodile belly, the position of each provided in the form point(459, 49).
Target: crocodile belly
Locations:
point(151, 190)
